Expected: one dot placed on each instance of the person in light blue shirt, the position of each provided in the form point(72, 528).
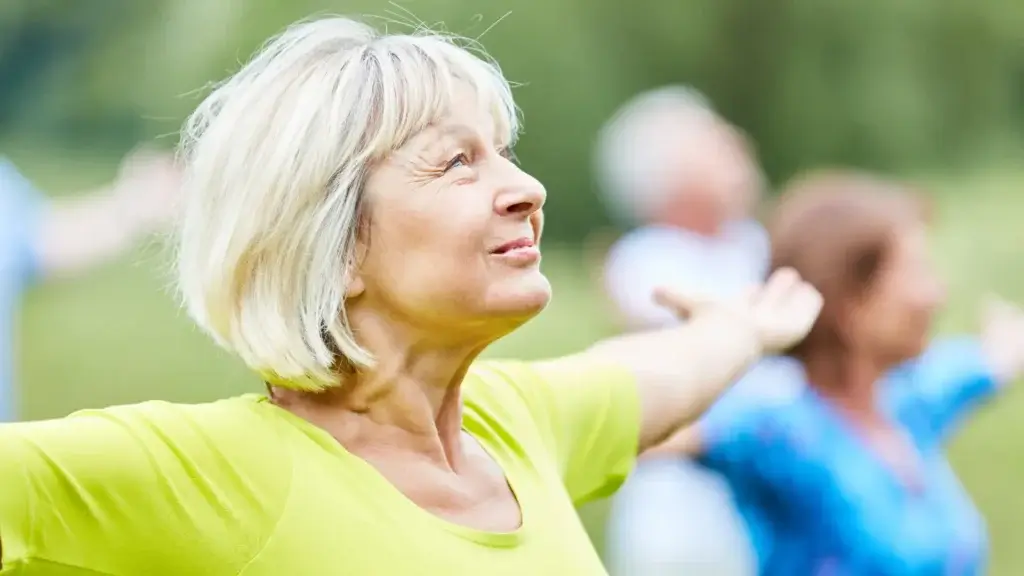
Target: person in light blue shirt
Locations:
point(20, 206)
point(688, 182)
point(43, 239)
point(845, 473)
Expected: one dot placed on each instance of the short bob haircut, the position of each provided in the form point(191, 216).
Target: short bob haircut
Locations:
point(837, 229)
point(276, 158)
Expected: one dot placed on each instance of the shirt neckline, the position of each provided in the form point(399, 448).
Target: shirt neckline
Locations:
point(399, 502)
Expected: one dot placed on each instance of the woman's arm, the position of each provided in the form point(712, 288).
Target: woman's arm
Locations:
point(680, 371)
point(777, 380)
point(126, 490)
point(77, 233)
point(955, 376)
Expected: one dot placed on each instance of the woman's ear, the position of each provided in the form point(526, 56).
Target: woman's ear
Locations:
point(355, 287)
point(355, 283)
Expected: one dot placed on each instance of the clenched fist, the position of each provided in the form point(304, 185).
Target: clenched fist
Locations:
point(781, 312)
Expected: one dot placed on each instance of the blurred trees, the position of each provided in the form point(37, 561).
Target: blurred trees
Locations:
point(886, 84)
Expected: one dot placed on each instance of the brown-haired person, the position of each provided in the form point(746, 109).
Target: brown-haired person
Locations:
point(848, 474)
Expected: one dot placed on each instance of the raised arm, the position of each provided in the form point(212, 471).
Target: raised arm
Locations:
point(77, 233)
point(957, 375)
point(680, 371)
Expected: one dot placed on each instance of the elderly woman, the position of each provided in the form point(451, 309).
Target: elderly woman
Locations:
point(354, 230)
point(846, 474)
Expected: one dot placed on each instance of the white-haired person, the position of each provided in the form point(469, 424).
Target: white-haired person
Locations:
point(43, 239)
point(688, 183)
point(354, 230)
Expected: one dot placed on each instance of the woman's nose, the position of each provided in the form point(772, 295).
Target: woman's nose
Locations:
point(522, 198)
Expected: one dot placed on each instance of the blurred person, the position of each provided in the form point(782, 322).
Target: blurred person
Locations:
point(359, 251)
point(689, 182)
point(848, 473)
point(43, 239)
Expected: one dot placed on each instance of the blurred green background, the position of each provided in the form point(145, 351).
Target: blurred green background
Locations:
point(929, 89)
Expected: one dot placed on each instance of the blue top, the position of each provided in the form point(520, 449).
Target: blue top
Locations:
point(20, 208)
point(818, 501)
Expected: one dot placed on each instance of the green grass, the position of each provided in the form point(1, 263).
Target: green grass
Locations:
point(116, 336)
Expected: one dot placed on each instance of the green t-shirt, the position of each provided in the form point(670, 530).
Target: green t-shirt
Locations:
point(242, 487)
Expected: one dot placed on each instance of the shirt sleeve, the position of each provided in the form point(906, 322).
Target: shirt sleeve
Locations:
point(21, 210)
point(107, 492)
point(946, 384)
point(60, 479)
point(589, 417)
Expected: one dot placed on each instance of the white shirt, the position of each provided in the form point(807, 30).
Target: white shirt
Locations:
point(660, 256)
point(674, 517)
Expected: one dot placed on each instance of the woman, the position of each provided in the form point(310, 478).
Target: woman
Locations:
point(354, 231)
point(846, 474)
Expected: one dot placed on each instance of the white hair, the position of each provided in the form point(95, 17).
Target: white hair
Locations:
point(276, 158)
point(640, 149)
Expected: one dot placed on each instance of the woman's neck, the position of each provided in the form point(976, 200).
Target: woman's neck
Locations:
point(410, 402)
point(851, 384)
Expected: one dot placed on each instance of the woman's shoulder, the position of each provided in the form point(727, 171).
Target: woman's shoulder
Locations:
point(765, 418)
point(226, 418)
point(546, 388)
point(513, 395)
point(138, 438)
point(500, 386)
point(784, 426)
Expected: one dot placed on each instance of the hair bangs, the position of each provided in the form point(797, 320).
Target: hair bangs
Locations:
point(414, 85)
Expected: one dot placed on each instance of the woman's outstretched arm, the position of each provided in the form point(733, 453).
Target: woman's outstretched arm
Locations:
point(680, 371)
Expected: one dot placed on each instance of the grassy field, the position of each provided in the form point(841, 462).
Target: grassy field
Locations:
point(116, 336)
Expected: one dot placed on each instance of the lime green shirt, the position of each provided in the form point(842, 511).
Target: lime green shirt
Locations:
point(242, 487)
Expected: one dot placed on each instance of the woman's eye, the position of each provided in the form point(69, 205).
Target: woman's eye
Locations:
point(460, 160)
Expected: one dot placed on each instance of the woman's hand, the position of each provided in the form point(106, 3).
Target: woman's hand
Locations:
point(780, 313)
point(1002, 338)
point(680, 371)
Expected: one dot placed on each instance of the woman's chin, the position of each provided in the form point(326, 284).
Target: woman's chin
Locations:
point(524, 298)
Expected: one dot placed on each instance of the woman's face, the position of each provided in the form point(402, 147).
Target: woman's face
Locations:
point(720, 182)
point(454, 227)
point(894, 321)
